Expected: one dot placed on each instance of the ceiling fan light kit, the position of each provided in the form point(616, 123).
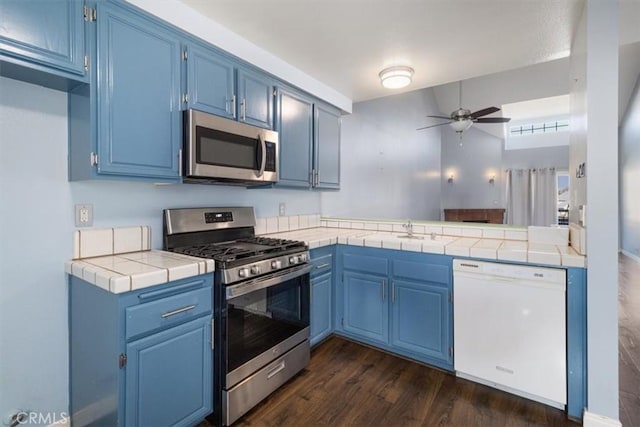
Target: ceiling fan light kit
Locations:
point(461, 125)
point(396, 77)
point(462, 119)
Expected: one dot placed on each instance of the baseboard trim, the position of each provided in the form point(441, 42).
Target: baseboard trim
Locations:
point(594, 420)
point(630, 255)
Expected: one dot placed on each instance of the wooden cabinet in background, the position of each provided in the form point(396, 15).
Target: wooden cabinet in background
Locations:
point(490, 216)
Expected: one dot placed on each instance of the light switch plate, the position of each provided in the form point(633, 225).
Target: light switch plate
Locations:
point(84, 215)
point(281, 209)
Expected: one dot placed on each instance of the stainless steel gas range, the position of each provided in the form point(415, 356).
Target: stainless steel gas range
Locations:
point(261, 303)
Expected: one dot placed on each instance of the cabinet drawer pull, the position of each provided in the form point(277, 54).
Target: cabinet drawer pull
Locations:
point(178, 311)
point(318, 267)
point(384, 285)
point(277, 369)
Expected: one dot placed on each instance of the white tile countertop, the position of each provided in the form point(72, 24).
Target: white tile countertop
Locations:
point(136, 270)
point(519, 249)
point(120, 260)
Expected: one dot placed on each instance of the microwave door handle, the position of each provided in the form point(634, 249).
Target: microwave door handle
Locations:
point(262, 155)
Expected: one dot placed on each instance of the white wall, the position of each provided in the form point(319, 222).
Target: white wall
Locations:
point(630, 175)
point(387, 168)
point(472, 160)
point(36, 225)
point(594, 110)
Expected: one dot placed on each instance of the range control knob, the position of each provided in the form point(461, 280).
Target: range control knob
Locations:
point(243, 272)
point(302, 257)
point(255, 269)
point(275, 265)
point(294, 260)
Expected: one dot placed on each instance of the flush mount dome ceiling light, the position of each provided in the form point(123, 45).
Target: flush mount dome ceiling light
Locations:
point(396, 77)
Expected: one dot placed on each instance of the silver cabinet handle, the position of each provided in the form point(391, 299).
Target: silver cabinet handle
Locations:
point(318, 267)
point(243, 108)
point(233, 108)
point(180, 162)
point(277, 369)
point(178, 311)
point(384, 285)
point(393, 292)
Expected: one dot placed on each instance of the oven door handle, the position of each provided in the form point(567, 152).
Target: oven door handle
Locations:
point(255, 285)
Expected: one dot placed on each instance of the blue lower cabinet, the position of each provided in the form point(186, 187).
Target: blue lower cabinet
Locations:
point(321, 293)
point(365, 307)
point(320, 308)
point(168, 376)
point(141, 358)
point(398, 301)
point(420, 319)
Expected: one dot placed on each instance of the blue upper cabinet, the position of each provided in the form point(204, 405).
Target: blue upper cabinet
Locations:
point(210, 81)
point(49, 33)
point(295, 133)
point(309, 133)
point(327, 147)
point(138, 84)
point(255, 98)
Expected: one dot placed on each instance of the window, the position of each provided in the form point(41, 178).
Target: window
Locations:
point(562, 183)
point(537, 128)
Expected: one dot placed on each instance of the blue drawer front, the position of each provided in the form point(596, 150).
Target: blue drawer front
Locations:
point(421, 271)
point(321, 265)
point(364, 263)
point(169, 311)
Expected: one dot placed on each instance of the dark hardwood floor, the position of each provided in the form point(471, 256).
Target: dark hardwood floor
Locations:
point(629, 340)
point(350, 384)
point(347, 384)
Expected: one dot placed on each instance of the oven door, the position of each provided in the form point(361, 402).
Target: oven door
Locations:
point(265, 318)
point(223, 149)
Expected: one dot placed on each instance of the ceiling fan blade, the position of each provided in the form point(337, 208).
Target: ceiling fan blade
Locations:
point(441, 117)
point(493, 120)
point(483, 112)
point(432, 126)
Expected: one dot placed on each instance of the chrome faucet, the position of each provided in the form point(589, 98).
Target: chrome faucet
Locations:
point(409, 227)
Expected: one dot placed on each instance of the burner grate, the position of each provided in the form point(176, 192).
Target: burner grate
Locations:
point(240, 249)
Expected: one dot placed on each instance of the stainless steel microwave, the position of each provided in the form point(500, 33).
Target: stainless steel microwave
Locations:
point(220, 150)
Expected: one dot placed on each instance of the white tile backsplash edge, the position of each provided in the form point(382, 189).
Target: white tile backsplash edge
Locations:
point(94, 242)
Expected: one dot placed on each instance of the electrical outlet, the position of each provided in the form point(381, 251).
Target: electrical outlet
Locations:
point(84, 215)
point(281, 209)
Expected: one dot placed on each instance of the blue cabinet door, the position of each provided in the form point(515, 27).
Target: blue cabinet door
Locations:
point(365, 311)
point(255, 95)
point(295, 132)
point(169, 378)
point(420, 318)
point(139, 118)
point(210, 81)
point(49, 33)
point(320, 307)
point(326, 147)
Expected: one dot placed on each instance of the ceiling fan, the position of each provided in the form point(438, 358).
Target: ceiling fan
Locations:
point(462, 119)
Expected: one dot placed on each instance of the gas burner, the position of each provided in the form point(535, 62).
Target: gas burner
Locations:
point(226, 235)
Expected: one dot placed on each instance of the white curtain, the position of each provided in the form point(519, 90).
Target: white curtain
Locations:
point(532, 196)
point(544, 209)
point(518, 197)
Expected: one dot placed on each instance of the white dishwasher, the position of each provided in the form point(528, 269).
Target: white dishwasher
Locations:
point(510, 328)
